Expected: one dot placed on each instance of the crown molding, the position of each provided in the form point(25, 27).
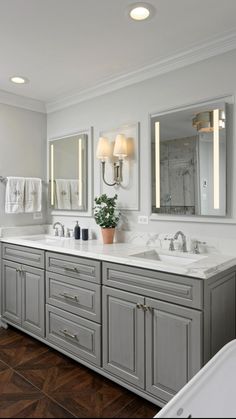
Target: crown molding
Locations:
point(12, 99)
point(197, 53)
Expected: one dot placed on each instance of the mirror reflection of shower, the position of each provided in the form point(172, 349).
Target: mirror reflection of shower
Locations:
point(191, 156)
point(178, 159)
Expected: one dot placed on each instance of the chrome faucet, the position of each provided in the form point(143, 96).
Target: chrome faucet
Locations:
point(62, 234)
point(184, 242)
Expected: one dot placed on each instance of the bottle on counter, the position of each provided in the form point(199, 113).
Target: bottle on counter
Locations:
point(77, 231)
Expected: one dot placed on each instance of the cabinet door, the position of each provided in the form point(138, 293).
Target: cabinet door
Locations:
point(173, 347)
point(123, 335)
point(11, 291)
point(33, 300)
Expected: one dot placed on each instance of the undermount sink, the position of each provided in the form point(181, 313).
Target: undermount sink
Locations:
point(45, 238)
point(166, 258)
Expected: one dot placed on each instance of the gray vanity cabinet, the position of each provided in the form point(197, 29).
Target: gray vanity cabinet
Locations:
point(173, 347)
point(11, 291)
point(23, 295)
point(149, 339)
point(33, 299)
point(123, 335)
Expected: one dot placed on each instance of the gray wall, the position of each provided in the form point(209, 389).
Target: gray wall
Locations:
point(22, 153)
point(207, 79)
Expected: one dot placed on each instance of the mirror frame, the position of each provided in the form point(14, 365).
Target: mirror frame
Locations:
point(229, 100)
point(89, 180)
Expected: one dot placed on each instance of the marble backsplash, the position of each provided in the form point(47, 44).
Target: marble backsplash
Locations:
point(212, 244)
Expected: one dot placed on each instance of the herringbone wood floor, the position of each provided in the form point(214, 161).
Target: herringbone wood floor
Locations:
point(38, 382)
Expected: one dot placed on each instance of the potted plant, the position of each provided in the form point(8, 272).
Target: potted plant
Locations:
point(106, 216)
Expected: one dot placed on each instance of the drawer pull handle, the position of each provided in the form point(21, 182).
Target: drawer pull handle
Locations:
point(70, 297)
point(139, 305)
point(75, 270)
point(69, 335)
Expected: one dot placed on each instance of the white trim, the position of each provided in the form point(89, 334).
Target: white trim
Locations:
point(12, 99)
point(198, 53)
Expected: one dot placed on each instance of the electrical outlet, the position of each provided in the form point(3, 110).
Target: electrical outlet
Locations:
point(37, 216)
point(142, 219)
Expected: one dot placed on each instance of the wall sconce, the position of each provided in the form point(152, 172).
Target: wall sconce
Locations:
point(120, 151)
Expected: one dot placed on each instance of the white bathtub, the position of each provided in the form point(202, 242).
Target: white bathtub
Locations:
point(211, 393)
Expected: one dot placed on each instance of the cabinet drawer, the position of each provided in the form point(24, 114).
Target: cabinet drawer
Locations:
point(167, 287)
point(25, 255)
point(77, 297)
point(78, 336)
point(73, 266)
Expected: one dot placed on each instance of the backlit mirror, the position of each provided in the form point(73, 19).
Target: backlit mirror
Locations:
point(68, 166)
point(189, 161)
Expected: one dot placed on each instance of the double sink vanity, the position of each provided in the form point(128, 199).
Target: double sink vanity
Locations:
point(147, 319)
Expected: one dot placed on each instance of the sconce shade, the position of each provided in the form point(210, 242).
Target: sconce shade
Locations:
point(120, 148)
point(103, 148)
point(203, 121)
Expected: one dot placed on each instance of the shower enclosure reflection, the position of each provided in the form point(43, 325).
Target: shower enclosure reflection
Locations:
point(189, 161)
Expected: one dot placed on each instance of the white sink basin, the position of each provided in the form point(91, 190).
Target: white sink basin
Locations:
point(176, 259)
point(45, 238)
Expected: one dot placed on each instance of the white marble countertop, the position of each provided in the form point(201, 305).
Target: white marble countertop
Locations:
point(200, 266)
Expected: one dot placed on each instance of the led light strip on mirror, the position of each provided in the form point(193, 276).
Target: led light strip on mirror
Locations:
point(157, 164)
point(52, 174)
point(216, 158)
point(80, 172)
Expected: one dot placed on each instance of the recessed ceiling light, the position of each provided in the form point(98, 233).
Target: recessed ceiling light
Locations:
point(140, 11)
point(19, 80)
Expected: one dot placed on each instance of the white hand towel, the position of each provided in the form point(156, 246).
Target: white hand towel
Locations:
point(14, 200)
point(74, 184)
point(63, 194)
point(33, 195)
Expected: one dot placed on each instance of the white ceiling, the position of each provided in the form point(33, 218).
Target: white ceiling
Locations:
point(68, 45)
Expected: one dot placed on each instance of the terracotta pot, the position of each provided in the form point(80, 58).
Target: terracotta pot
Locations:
point(108, 235)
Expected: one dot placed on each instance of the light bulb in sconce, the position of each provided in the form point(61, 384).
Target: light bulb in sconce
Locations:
point(120, 148)
point(103, 149)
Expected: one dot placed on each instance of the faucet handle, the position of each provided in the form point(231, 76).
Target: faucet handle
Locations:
point(171, 240)
point(69, 232)
point(196, 246)
point(56, 232)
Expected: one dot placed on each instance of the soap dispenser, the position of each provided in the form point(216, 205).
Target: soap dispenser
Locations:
point(77, 231)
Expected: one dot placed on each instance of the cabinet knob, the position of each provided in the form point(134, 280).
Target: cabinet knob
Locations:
point(147, 308)
point(144, 307)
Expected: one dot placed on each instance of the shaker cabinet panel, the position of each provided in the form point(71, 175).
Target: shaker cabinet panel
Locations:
point(22, 254)
point(123, 335)
point(74, 266)
point(173, 347)
point(78, 297)
point(74, 334)
point(11, 291)
point(33, 300)
point(172, 288)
